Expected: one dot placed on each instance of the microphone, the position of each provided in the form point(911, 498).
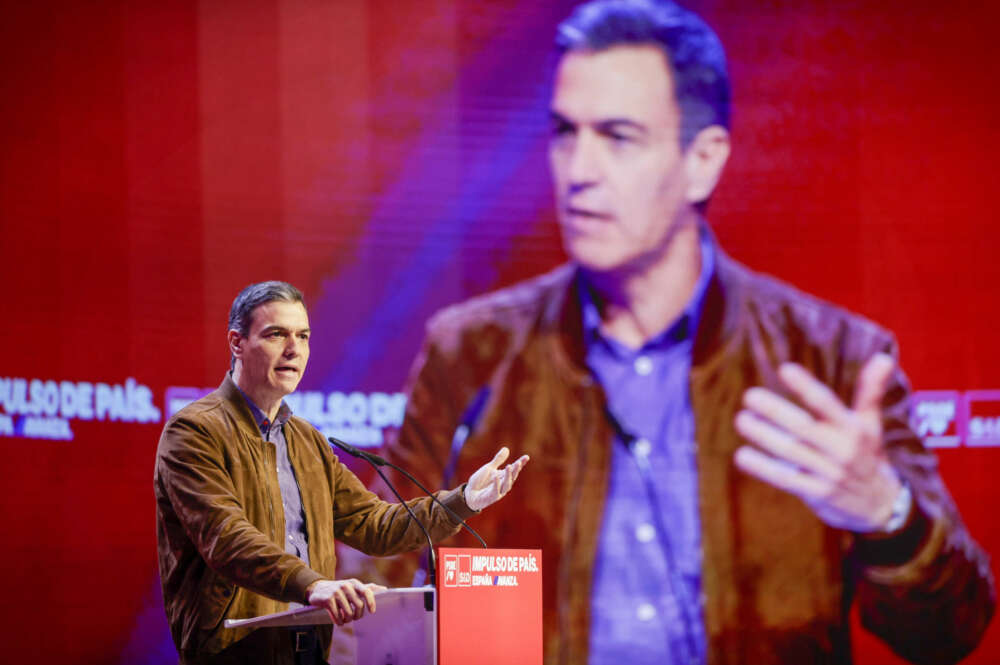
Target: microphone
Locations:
point(371, 458)
point(346, 447)
point(377, 461)
point(470, 418)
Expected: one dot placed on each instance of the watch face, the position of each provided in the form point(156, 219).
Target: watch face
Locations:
point(900, 509)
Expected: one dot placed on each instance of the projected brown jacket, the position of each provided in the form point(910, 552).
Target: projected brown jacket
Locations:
point(778, 583)
point(221, 527)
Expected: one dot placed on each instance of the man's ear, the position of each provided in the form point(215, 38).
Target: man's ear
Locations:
point(235, 340)
point(704, 160)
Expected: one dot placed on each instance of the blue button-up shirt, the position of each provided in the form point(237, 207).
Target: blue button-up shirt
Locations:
point(296, 538)
point(650, 540)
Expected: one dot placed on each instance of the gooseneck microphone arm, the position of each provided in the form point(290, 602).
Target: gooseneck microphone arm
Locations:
point(377, 461)
point(432, 572)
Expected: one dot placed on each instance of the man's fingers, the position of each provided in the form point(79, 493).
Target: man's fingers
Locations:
point(777, 473)
point(518, 465)
point(825, 453)
point(793, 419)
point(351, 602)
point(778, 410)
point(508, 479)
point(347, 599)
point(337, 604)
point(500, 457)
point(816, 395)
point(490, 483)
point(510, 473)
point(873, 382)
point(334, 606)
point(370, 590)
point(370, 599)
point(483, 477)
point(780, 444)
point(359, 608)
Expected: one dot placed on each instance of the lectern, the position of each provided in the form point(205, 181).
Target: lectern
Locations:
point(486, 610)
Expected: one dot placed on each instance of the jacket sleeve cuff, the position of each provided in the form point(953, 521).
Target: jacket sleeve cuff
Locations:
point(299, 581)
point(898, 547)
point(455, 500)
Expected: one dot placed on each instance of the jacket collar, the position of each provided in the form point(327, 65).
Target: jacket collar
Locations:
point(720, 314)
point(231, 393)
point(562, 325)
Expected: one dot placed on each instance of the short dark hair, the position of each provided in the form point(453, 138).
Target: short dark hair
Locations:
point(255, 295)
point(696, 57)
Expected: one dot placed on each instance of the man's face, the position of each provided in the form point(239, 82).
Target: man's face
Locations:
point(615, 155)
point(275, 352)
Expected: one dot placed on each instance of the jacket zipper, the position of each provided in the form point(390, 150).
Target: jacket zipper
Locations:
point(270, 464)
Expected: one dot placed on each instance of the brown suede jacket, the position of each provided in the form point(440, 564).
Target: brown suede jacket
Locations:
point(778, 583)
point(221, 526)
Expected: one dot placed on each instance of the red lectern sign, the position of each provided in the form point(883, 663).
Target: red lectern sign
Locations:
point(489, 606)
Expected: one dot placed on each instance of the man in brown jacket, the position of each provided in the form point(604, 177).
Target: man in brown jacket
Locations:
point(250, 500)
point(725, 462)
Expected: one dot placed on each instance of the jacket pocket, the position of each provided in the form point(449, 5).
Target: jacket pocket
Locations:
point(214, 600)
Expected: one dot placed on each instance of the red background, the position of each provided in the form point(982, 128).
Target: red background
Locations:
point(388, 158)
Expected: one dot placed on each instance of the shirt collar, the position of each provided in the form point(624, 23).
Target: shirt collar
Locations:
point(284, 413)
point(683, 327)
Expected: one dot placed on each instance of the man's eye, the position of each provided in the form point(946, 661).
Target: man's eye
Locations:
point(561, 129)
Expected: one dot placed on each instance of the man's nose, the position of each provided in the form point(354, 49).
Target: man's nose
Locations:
point(292, 346)
point(583, 168)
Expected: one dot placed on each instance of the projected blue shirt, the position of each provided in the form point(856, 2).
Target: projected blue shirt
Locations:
point(646, 605)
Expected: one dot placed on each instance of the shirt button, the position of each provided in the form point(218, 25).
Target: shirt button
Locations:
point(645, 533)
point(642, 447)
point(643, 365)
point(645, 612)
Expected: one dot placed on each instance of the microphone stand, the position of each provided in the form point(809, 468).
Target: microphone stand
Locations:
point(432, 567)
point(377, 461)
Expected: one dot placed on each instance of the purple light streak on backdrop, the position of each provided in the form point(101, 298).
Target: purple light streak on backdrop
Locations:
point(455, 204)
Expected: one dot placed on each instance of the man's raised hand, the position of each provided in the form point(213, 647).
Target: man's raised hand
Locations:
point(828, 454)
point(490, 483)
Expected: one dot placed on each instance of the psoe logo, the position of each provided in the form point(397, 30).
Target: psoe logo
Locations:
point(457, 570)
point(982, 418)
point(451, 570)
point(934, 416)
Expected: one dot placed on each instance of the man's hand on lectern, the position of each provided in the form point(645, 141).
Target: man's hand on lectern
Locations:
point(344, 600)
point(490, 483)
